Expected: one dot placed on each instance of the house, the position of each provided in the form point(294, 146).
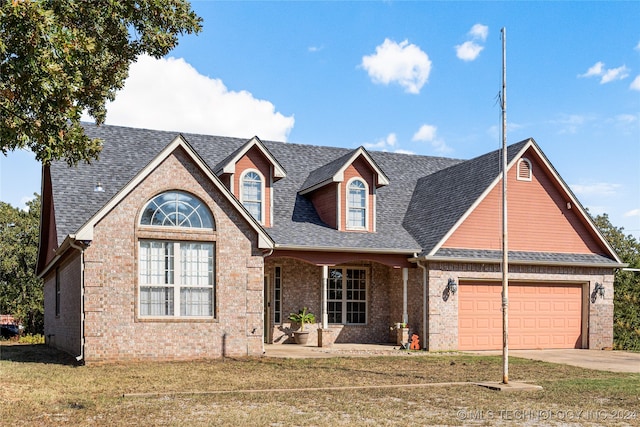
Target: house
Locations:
point(183, 246)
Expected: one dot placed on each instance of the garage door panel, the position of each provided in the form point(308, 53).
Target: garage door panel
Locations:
point(540, 316)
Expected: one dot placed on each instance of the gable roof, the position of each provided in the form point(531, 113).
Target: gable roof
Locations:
point(228, 165)
point(426, 197)
point(334, 171)
point(456, 190)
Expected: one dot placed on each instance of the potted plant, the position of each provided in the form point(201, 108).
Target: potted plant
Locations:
point(302, 317)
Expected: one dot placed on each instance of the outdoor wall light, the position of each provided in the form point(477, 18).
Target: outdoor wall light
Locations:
point(452, 286)
point(598, 289)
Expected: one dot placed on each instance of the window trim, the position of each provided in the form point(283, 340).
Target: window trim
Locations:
point(181, 227)
point(176, 286)
point(345, 301)
point(348, 205)
point(241, 191)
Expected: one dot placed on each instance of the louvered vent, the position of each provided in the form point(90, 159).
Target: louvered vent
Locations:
point(524, 170)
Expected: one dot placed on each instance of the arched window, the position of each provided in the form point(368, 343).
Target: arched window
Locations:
point(176, 209)
point(176, 277)
point(357, 205)
point(252, 184)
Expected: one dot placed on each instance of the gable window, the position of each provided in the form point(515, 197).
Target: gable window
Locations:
point(524, 170)
point(176, 277)
point(347, 295)
point(357, 205)
point(252, 191)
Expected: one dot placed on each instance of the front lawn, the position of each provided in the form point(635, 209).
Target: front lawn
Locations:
point(43, 387)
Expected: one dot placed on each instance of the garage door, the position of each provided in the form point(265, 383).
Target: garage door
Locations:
point(540, 316)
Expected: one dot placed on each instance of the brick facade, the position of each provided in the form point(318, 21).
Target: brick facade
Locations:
point(113, 329)
point(597, 322)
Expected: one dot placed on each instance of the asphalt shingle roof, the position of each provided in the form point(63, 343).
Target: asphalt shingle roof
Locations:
point(425, 197)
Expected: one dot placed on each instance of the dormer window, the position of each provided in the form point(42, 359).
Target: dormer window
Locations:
point(357, 205)
point(252, 193)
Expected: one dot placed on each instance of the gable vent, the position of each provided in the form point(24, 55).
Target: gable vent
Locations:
point(524, 170)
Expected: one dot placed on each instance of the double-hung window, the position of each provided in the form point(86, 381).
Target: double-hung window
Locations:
point(252, 194)
point(176, 277)
point(347, 298)
point(357, 205)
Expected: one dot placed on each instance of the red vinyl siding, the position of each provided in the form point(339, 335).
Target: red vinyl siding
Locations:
point(358, 169)
point(538, 220)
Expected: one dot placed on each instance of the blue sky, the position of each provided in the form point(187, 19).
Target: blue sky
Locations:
point(419, 77)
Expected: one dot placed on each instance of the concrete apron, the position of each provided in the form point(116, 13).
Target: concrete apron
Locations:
point(601, 360)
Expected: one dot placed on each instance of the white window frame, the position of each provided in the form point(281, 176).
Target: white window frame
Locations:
point(365, 209)
point(178, 284)
point(261, 220)
point(344, 300)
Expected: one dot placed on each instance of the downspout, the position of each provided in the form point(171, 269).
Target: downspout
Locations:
point(425, 302)
point(82, 323)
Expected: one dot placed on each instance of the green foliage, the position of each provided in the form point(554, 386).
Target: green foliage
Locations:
point(21, 292)
point(302, 317)
point(626, 300)
point(31, 339)
point(58, 58)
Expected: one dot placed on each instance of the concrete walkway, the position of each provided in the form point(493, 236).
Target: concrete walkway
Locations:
point(613, 361)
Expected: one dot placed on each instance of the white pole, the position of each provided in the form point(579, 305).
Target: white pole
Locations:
point(505, 240)
point(405, 278)
point(325, 313)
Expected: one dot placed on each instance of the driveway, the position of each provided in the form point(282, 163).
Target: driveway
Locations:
point(601, 360)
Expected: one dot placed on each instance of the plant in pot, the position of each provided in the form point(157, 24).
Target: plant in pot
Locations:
point(302, 317)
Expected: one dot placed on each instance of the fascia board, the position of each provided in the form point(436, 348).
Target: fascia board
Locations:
point(230, 167)
point(407, 252)
point(491, 260)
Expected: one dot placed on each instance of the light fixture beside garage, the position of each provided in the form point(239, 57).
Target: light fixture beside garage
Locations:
point(597, 290)
point(452, 286)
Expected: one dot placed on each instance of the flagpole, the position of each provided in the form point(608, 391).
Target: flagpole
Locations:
point(505, 247)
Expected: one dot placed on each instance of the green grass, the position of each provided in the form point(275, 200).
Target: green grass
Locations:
point(43, 387)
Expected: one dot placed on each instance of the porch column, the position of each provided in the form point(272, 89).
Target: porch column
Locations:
point(405, 279)
point(325, 313)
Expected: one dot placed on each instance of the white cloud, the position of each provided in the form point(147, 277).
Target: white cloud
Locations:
point(637, 47)
point(479, 32)
point(402, 63)
point(613, 74)
point(600, 189)
point(169, 94)
point(631, 213)
point(596, 70)
point(427, 133)
point(383, 144)
point(571, 123)
point(315, 48)
point(468, 51)
point(607, 75)
point(635, 84)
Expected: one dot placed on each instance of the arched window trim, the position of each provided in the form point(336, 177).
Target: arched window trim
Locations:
point(198, 210)
point(348, 206)
point(261, 220)
point(522, 175)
